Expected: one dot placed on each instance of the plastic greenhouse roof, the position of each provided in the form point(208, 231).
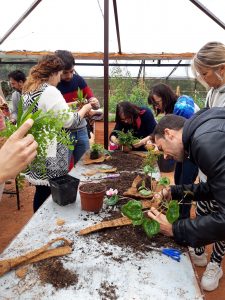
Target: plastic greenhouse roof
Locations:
point(145, 26)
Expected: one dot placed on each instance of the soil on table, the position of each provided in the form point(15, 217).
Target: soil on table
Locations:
point(52, 271)
point(129, 236)
point(125, 161)
point(107, 291)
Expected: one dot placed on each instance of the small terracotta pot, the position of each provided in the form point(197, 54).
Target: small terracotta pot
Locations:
point(92, 201)
point(126, 149)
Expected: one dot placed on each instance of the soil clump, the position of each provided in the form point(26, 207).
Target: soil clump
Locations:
point(107, 291)
point(52, 271)
point(125, 161)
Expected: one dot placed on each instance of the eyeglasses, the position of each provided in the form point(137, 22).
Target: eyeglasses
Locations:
point(157, 103)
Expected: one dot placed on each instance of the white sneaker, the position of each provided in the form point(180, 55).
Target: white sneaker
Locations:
point(211, 277)
point(198, 260)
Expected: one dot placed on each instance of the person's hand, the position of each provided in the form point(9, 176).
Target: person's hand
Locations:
point(17, 152)
point(72, 103)
point(114, 140)
point(94, 103)
point(165, 226)
point(84, 110)
point(138, 144)
point(164, 194)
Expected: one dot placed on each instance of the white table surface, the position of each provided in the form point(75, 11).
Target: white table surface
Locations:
point(152, 276)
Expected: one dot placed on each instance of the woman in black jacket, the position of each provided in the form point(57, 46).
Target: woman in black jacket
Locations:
point(138, 119)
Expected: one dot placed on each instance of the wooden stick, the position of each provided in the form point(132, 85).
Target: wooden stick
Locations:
point(106, 224)
point(8, 264)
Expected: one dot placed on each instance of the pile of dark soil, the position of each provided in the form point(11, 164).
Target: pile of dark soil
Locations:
point(133, 237)
point(121, 183)
point(129, 236)
point(52, 271)
point(125, 161)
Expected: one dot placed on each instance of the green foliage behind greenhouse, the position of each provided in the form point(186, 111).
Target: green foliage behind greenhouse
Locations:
point(122, 86)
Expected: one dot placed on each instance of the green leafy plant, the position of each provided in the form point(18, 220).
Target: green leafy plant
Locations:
point(164, 181)
point(96, 150)
point(149, 167)
point(47, 127)
point(81, 99)
point(125, 138)
point(134, 211)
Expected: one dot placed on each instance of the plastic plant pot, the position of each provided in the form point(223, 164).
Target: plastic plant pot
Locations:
point(64, 189)
point(92, 200)
point(94, 154)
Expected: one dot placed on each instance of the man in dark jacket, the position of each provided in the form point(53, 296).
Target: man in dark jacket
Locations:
point(202, 139)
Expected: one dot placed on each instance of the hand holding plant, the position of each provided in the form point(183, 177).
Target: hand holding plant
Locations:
point(158, 221)
point(164, 225)
point(113, 196)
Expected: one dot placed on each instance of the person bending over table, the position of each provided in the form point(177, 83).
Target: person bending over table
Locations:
point(202, 139)
point(138, 119)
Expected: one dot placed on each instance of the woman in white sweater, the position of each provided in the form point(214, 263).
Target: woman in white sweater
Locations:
point(41, 83)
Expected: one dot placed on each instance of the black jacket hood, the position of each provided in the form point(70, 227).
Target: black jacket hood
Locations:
point(197, 120)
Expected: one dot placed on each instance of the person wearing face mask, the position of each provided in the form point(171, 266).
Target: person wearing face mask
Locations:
point(138, 119)
point(208, 66)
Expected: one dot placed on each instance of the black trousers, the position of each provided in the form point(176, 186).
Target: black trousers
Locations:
point(41, 194)
point(185, 173)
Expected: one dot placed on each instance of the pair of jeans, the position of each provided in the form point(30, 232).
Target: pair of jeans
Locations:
point(186, 172)
point(81, 144)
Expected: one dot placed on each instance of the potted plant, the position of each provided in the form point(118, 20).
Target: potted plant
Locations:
point(126, 140)
point(92, 195)
point(96, 150)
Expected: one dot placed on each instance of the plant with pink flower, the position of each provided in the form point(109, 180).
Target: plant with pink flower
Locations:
point(113, 197)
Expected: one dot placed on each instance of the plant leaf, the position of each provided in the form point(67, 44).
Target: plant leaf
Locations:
point(172, 213)
point(151, 227)
point(164, 181)
point(133, 210)
point(145, 192)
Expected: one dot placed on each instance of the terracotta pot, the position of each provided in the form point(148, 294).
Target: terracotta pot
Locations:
point(126, 149)
point(92, 201)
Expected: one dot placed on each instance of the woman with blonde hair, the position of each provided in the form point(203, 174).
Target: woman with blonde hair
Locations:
point(41, 84)
point(209, 68)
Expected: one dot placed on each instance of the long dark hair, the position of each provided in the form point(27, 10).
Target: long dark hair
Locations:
point(169, 98)
point(129, 110)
